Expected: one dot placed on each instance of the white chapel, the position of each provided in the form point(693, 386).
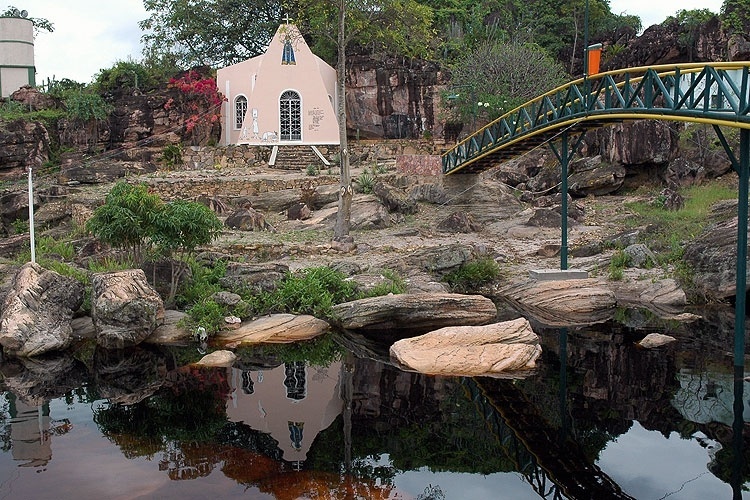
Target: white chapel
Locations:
point(286, 96)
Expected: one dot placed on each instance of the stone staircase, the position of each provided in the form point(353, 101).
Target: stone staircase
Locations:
point(295, 158)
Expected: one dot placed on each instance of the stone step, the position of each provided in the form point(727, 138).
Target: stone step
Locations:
point(296, 158)
point(558, 274)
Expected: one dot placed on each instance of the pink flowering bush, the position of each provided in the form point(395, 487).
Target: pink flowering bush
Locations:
point(199, 101)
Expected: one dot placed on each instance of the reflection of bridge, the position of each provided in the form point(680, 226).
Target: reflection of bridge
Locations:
point(716, 94)
point(550, 461)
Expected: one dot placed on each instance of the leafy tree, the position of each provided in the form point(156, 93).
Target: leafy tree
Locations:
point(212, 33)
point(126, 76)
point(504, 76)
point(181, 227)
point(689, 22)
point(735, 16)
point(127, 218)
point(370, 23)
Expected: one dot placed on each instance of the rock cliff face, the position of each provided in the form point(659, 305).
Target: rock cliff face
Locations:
point(394, 98)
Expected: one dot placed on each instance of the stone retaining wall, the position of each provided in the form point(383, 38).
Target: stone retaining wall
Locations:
point(365, 151)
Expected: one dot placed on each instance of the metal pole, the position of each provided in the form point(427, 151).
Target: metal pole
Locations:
point(564, 158)
point(741, 279)
point(31, 218)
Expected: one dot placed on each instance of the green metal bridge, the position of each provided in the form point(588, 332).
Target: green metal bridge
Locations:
point(716, 94)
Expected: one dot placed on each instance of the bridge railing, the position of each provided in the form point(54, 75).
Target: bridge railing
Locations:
point(717, 93)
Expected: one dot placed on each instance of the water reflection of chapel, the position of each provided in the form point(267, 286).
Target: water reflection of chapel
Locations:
point(292, 402)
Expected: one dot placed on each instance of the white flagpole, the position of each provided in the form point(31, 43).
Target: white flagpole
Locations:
point(31, 218)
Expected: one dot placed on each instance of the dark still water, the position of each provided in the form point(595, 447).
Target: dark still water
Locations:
point(333, 419)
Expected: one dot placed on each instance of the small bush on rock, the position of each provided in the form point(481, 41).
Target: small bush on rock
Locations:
point(473, 274)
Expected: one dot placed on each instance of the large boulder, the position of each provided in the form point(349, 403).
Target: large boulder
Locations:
point(713, 258)
point(275, 329)
point(417, 311)
point(592, 176)
point(562, 303)
point(499, 349)
point(124, 307)
point(37, 311)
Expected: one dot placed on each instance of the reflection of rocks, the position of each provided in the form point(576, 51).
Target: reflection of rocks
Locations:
point(130, 375)
point(37, 380)
point(124, 307)
point(37, 311)
point(562, 303)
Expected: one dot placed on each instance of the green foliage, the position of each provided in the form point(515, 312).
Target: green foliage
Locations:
point(108, 264)
point(473, 274)
point(126, 77)
point(207, 314)
point(735, 16)
point(380, 27)
point(312, 170)
point(669, 229)
point(620, 260)
point(204, 282)
point(502, 75)
point(311, 291)
point(365, 182)
point(126, 220)
point(189, 34)
point(20, 226)
point(179, 228)
point(172, 156)
point(320, 351)
point(84, 105)
point(392, 284)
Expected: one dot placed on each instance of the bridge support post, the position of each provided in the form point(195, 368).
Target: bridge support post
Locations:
point(564, 154)
point(741, 279)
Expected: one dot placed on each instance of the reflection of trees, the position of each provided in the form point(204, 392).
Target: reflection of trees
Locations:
point(418, 420)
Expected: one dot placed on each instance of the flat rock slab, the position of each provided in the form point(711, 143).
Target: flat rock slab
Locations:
point(507, 349)
point(275, 329)
point(562, 303)
point(415, 311)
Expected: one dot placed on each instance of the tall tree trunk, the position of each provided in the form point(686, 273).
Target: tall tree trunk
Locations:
point(343, 218)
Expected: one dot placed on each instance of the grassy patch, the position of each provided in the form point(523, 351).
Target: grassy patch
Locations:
point(473, 274)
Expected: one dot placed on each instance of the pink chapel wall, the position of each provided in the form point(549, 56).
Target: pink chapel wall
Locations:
point(263, 80)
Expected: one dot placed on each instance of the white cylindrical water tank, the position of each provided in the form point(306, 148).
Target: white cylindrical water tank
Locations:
point(16, 54)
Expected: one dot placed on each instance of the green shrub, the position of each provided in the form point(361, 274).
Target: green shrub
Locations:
point(309, 291)
point(365, 181)
point(207, 314)
point(393, 283)
point(473, 274)
point(204, 282)
point(620, 260)
point(312, 170)
point(172, 156)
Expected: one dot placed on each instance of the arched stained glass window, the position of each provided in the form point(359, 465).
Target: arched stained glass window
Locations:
point(287, 56)
point(290, 116)
point(240, 109)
